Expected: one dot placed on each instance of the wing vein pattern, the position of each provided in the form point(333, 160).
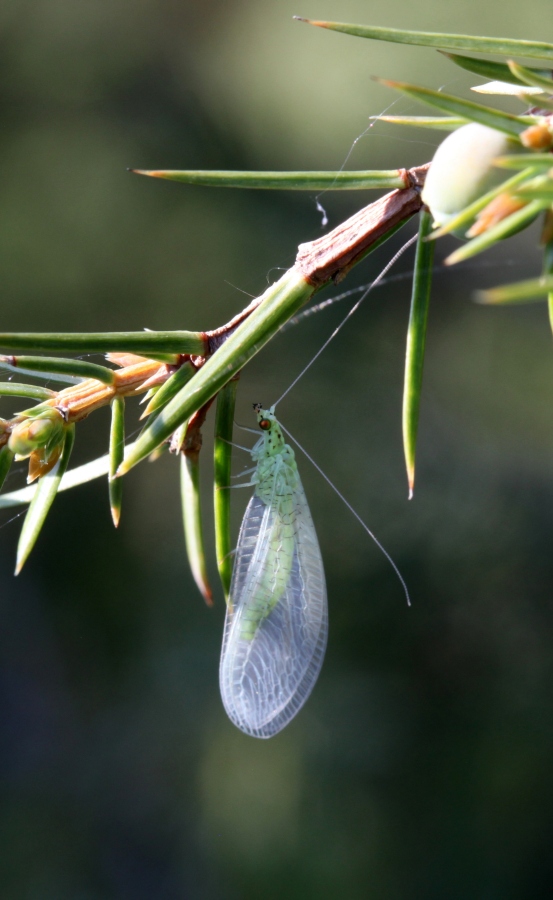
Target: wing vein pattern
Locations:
point(276, 626)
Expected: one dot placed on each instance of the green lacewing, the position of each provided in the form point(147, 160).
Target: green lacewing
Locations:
point(277, 620)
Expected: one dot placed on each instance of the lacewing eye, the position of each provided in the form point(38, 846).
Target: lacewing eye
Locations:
point(265, 424)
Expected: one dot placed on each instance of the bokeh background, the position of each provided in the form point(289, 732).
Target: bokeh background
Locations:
point(421, 766)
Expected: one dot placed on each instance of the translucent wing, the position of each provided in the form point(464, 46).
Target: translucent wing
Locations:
point(266, 676)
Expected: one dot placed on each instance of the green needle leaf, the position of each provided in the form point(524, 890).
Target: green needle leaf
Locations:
point(297, 181)
point(170, 388)
point(521, 161)
point(533, 77)
point(416, 341)
point(512, 223)
point(133, 341)
point(475, 112)
point(440, 123)
point(44, 496)
point(31, 391)
point(65, 380)
point(502, 89)
point(224, 422)
point(519, 292)
point(534, 98)
point(493, 70)
point(6, 459)
point(548, 273)
point(540, 188)
point(444, 41)
point(279, 303)
point(192, 520)
point(48, 364)
point(116, 454)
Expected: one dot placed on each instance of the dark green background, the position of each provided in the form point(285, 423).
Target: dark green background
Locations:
point(422, 765)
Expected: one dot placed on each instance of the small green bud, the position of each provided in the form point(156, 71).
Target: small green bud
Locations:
point(462, 169)
point(44, 431)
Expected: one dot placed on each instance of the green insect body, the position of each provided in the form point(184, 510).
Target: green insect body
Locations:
point(276, 479)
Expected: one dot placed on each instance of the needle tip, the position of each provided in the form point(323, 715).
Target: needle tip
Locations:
point(150, 173)
point(205, 591)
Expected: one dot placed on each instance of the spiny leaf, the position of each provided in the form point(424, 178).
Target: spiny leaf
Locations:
point(444, 41)
point(519, 292)
point(439, 123)
point(539, 189)
point(522, 160)
point(135, 341)
point(475, 112)
point(31, 391)
point(170, 388)
point(503, 89)
point(297, 181)
point(116, 454)
point(416, 341)
point(43, 497)
point(503, 229)
point(224, 423)
point(534, 77)
point(46, 376)
point(535, 97)
point(487, 69)
point(48, 364)
point(192, 521)
point(548, 273)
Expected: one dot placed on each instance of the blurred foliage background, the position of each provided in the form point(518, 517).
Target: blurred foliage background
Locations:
point(421, 766)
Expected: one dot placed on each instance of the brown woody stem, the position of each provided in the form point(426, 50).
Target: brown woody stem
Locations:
point(327, 258)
